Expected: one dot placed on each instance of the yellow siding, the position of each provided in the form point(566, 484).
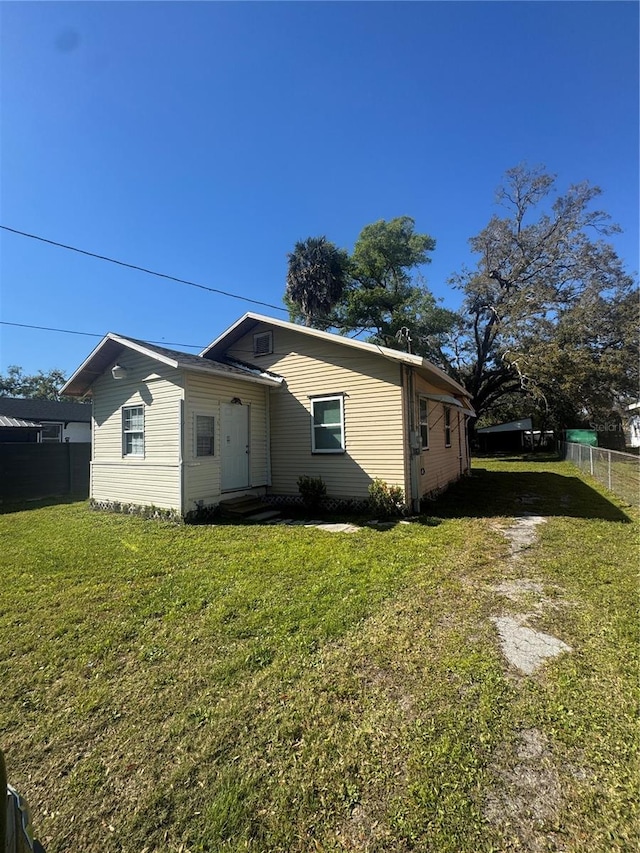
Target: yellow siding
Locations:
point(441, 464)
point(372, 413)
point(154, 479)
point(204, 396)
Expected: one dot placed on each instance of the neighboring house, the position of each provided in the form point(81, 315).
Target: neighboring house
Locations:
point(47, 421)
point(266, 402)
point(633, 425)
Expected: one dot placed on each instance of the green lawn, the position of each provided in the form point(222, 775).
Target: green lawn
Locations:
point(231, 688)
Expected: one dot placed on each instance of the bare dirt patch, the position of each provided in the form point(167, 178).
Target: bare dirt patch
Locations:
point(527, 797)
point(526, 800)
point(522, 645)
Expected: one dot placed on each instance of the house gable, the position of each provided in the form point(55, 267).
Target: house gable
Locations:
point(310, 339)
point(325, 379)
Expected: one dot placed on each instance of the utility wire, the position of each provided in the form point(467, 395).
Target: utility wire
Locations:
point(143, 269)
point(93, 334)
point(247, 353)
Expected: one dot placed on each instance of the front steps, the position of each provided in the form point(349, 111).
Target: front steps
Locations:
point(248, 508)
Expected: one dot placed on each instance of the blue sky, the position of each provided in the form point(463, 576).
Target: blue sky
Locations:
point(202, 140)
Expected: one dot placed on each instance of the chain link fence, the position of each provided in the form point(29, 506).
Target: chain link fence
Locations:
point(619, 472)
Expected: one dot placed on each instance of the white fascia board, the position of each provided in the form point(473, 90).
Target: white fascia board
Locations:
point(232, 327)
point(85, 363)
point(385, 352)
point(126, 342)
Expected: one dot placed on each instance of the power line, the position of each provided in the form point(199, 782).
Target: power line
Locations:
point(352, 357)
point(143, 269)
point(93, 334)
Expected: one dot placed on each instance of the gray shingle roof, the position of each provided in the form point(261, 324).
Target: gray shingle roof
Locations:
point(112, 345)
point(45, 410)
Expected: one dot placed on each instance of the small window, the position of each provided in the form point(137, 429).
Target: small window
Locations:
point(263, 343)
point(133, 431)
point(51, 433)
point(204, 427)
point(423, 418)
point(447, 426)
point(327, 425)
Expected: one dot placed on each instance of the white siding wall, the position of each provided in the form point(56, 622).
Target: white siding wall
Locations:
point(76, 432)
point(155, 478)
point(204, 396)
point(372, 412)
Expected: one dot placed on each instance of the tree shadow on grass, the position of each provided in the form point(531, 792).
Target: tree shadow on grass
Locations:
point(507, 493)
point(7, 507)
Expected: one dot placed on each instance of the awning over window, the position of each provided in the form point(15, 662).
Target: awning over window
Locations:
point(451, 401)
point(6, 421)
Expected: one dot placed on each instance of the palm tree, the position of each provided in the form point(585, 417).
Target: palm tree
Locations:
point(316, 279)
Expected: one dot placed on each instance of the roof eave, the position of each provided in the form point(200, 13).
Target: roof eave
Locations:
point(249, 320)
point(248, 377)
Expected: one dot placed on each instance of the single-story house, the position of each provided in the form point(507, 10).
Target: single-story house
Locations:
point(46, 421)
point(266, 402)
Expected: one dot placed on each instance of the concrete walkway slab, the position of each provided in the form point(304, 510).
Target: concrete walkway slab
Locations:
point(524, 647)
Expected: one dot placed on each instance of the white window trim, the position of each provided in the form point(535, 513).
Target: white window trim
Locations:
point(327, 398)
point(425, 400)
point(447, 425)
point(44, 440)
point(195, 454)
point(126, 455)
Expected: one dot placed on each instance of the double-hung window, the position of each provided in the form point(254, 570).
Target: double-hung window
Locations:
point(447, 426)
point(133, 431)
point(51, 433)
point(423, 419)
point(327, 424)
point(204, 434)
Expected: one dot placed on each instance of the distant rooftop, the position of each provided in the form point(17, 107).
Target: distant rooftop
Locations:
point(45, 410)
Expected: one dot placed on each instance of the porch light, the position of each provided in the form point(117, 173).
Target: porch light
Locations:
point(118, 371)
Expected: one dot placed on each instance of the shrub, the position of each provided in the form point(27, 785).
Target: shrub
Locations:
point(312, 490)
point(386, 501)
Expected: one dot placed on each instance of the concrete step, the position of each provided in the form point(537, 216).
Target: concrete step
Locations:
point(266, 515)
point(241, 506)
point(248, 508)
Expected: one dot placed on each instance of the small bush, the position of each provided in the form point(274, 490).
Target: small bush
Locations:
point(312, 490)
point(386, 501)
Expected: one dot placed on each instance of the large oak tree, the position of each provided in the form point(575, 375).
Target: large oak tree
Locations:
point(549, 313)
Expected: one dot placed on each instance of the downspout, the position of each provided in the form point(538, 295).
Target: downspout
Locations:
point(414, 482)
point(93, 448)
point(268, 433)
point(181, 451)
point(459, 441)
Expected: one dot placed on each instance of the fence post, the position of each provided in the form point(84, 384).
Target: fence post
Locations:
point(591, 459)
point(609, 455)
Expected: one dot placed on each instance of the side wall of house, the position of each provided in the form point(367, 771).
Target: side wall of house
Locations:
point(441, 464)
point(76, 432)
point(205, 395)
point(154, 477)
point(373, 414)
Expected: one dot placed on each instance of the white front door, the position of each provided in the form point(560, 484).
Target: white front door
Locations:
point(234, 453)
